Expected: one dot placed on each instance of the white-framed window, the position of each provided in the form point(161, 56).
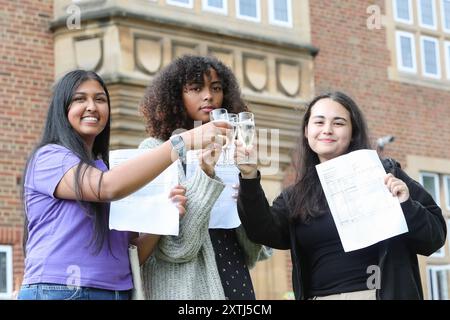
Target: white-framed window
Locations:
point(248, 10)
point(280, 12)
point(448, 228)
point(406, 51)
point(437, 278)
point(6, 272)
point(426, 10)
point(429, 52)
point(447, 58)
point(181, 3)
point(430, 182)
point(447, 191)
point(216, 6)
point(403, 11)
point(445, 10)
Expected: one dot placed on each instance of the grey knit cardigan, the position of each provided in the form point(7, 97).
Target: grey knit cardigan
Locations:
point(184, 266)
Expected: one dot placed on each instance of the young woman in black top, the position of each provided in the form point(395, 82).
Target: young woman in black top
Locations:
point(300, 219)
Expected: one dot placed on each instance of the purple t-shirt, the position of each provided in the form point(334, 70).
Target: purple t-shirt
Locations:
point(57, 249)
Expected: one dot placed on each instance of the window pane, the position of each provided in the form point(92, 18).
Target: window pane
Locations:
point(431, 283)
point(441, 276)
point(426, 7)
point(407, 58)
point(215, 3)
point(403, 9)
point(179, 1)
point(3, 272)
point(248, 8)
point(448, 63)
point(429, 49)
point(446, 9)
point(428, 184)
point(448, 54)
point(281, 10)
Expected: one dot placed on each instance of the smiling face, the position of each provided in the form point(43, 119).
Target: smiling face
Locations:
point(89, 111)
point(200, 98)
point(329, 129)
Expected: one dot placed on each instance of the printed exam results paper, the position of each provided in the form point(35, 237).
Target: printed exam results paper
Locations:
point(363, 209)
point(224, 213)
point(148, 210)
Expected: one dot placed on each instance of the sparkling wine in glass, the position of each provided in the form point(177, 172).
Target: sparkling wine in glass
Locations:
point(221, 114)
point(234, 121)
point(246, 129)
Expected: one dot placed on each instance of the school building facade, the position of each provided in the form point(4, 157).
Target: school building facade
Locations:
point(391, 56)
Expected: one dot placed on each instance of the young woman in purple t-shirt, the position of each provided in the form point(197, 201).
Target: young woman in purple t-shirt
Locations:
point(70, 251)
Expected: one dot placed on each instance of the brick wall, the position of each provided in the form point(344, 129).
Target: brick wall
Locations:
point(26, 76)
point(354, 59)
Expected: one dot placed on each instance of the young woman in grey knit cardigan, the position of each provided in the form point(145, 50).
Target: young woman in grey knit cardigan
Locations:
point(199, 263)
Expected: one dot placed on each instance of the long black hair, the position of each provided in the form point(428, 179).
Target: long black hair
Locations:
point(307, 199)
point(162, 106)
point(58, 130)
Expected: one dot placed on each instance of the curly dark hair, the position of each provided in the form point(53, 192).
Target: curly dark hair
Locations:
point(162, 105)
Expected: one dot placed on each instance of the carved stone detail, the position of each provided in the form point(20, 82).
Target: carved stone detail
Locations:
point(148, 54)
point(89, 52)
point(289, 77)
point(255, 72)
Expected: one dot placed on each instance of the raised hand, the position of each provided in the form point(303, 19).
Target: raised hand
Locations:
point(397, 187)
point(242, 153)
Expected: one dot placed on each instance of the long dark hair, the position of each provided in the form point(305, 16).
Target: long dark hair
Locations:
point(307, 199)
point(162, 105)
point(58, 130)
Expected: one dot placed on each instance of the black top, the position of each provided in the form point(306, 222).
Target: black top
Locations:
point(397, 256)
point(332, 270)
point(234, 274)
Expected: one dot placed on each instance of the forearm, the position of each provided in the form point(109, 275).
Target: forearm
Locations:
point(135, 173)
point(263, 224)
point(250, 174)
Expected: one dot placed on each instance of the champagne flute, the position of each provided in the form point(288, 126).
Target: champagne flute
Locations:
point(246, 130)
point(234, 121)
point(221, 114)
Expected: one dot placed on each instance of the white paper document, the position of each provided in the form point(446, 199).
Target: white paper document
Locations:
point(224, 214)
point(364, 210)
point(148, 210)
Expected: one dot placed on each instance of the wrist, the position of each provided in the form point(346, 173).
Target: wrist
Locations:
point(179, 145)
point(250, 175)
point(208, 171)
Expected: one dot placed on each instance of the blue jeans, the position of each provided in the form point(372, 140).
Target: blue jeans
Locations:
point(49, 291)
